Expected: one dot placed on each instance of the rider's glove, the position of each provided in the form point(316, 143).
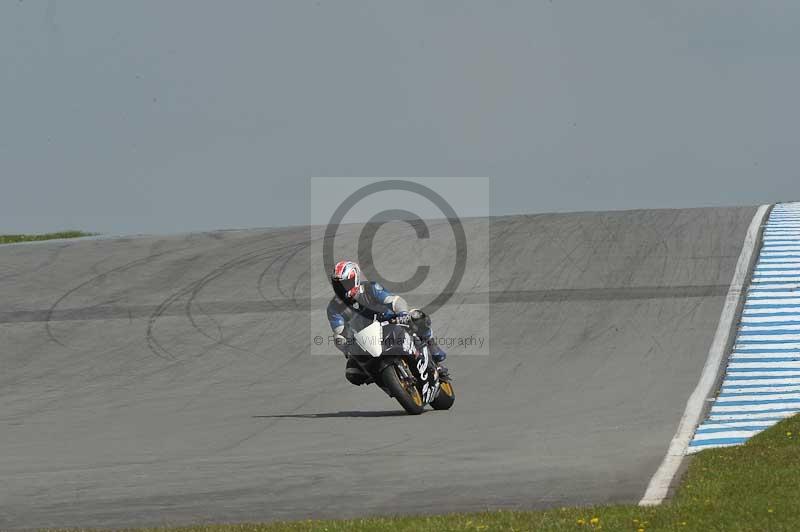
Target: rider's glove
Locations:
point(402, 317)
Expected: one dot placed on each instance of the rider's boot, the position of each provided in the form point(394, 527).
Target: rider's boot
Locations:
point(355, 375)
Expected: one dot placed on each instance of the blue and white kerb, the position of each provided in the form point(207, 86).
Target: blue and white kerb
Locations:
point(762, 381)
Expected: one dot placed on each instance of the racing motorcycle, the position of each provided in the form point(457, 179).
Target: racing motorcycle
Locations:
point(401, 365)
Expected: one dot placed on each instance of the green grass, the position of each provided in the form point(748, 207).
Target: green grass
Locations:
point(11, 239)
point(754, 487)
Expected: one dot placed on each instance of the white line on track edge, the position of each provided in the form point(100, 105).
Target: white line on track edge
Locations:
point(660, 483)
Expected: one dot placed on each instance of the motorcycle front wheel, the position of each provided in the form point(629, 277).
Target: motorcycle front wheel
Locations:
point(406, 394)
point(446, 397)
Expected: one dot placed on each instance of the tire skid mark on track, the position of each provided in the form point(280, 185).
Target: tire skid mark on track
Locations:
point(96, 278)
point(220, 341)
point(282, 269)
point(260, 282)
point(300, 351)
point(270, 302)
point(246, 258)
point(103, 311)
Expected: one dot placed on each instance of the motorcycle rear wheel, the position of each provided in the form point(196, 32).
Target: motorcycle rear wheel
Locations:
point(407, 395)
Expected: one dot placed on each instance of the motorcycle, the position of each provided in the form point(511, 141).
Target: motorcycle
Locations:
point(399, 362)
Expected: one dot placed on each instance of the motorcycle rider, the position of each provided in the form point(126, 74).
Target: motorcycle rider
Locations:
point(358, 298)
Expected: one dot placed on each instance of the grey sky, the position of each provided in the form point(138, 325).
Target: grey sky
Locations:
point(153, 116)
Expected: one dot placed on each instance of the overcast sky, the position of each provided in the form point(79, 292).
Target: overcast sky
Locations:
point(154, 116)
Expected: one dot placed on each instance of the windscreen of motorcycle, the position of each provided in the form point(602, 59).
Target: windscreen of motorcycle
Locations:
point(370, 339)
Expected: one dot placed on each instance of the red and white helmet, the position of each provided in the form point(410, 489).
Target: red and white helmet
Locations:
point(346, 279)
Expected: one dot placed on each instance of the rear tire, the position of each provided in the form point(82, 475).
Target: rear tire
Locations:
point(446, 397)
point(411, 401)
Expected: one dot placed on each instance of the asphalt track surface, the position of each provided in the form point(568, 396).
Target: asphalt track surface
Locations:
point(168, 380)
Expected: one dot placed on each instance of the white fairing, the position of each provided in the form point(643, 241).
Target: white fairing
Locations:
point(370, 339)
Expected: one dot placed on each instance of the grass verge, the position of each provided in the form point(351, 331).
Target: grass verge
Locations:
point(12, 239)
point(754, 487)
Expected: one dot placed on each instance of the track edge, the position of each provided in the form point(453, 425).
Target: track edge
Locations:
point(661, 484)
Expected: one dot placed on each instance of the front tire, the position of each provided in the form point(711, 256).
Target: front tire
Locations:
point(445, 398)
point(408, 396)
